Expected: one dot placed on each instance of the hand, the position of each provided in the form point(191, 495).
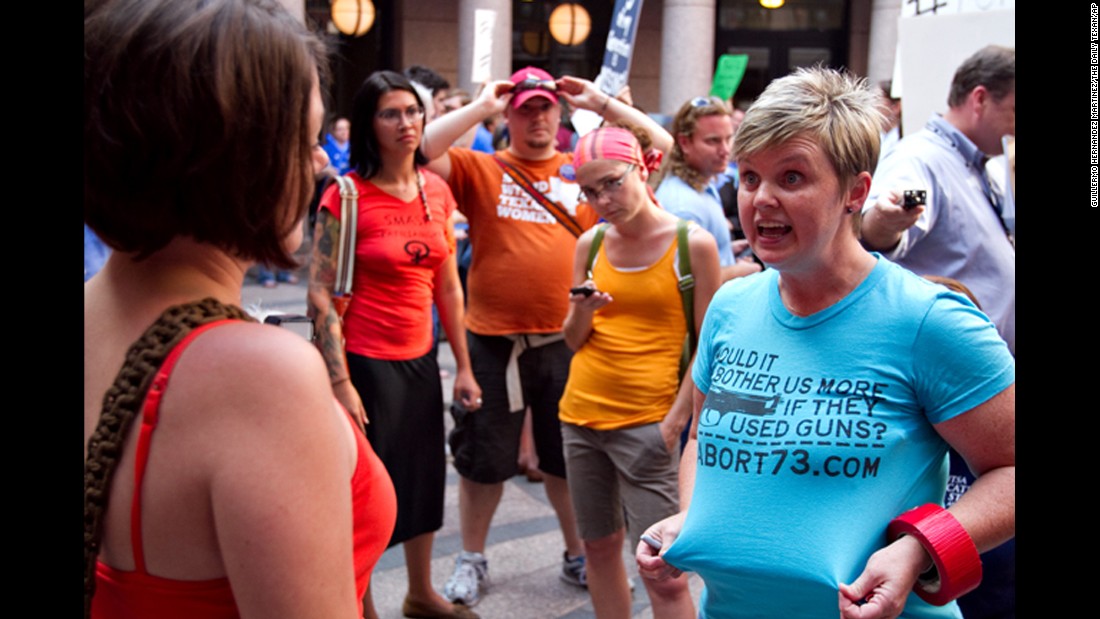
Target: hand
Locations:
point(591, 302)
point(466, 390)
point(651, 563)
point(347, 395)
point(495, 96)
point(670, 433)
point(881, 590)
point(582, 94)
point(625, 96)
point(739, 245)
point(885, 222)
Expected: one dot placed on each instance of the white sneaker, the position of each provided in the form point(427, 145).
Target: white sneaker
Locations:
point(470, 575)
point(573, 570)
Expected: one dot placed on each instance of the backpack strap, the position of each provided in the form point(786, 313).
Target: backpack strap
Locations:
point(597, 239)
point(685, 281)
point(687, 291)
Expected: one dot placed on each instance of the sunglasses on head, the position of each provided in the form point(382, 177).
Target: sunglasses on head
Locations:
point(533, 83)
point(705, 101)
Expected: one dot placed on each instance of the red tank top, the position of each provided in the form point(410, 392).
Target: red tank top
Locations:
point(121, 594)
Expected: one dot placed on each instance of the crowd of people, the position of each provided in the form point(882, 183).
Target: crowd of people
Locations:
point(714, 340)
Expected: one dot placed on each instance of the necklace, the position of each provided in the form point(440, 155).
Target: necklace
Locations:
point(423, 196)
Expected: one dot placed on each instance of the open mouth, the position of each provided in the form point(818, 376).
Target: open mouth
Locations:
point(772, 230)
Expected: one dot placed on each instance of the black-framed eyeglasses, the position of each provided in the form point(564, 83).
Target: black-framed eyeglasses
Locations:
point(533, 83)
point(392, 115)
point(607, 187)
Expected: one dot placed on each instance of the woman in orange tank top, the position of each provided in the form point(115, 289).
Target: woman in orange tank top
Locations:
point(624, 406)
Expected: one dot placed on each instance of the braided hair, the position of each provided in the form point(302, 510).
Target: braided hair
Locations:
point(120, 408)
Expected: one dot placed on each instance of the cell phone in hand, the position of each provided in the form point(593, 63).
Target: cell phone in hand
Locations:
point(912, 198)
point(651, 542)
point(585, 290)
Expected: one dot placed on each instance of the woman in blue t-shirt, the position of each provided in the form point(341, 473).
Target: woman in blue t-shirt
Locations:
point(828, 389)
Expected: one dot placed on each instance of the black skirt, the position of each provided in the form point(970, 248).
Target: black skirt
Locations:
point(404, 403)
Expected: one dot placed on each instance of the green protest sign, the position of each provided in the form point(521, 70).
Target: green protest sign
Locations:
point(728, 74)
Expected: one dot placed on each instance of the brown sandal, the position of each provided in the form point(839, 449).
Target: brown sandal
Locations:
point(418, 611)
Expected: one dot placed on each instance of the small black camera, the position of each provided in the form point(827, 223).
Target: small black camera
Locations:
point(913, 198)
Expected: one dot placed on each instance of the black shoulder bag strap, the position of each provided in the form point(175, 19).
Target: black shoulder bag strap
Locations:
point(555, 209)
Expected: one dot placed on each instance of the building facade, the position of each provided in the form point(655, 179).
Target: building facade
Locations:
point(676, 48)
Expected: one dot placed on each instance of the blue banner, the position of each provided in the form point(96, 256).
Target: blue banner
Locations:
point(620, 46)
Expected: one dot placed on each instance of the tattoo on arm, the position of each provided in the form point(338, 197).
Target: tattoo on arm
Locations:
point(328, 331)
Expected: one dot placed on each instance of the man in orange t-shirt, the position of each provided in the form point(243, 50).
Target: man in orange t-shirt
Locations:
point(518, 295)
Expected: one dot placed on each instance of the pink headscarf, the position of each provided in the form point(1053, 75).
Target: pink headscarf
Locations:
point(617, 144)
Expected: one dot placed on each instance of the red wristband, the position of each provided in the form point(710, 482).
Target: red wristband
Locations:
point(953, 552)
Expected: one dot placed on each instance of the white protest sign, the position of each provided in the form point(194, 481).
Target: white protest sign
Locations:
point(484, 21)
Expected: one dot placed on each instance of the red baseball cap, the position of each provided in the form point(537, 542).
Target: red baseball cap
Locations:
point(533, 82)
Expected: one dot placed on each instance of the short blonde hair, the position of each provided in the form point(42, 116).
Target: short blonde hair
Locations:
point(837, 110)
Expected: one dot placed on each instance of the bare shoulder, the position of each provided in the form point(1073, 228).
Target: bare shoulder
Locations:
point(248, 372)
point(585, 240)
point(700, 242)
point(263, 346)
point(260, 431)
point(587, 236)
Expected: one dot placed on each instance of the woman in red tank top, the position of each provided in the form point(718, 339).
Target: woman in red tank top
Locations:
point(222, 478)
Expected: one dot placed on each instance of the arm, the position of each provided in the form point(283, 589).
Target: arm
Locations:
point(704, 267)
point(885, 221)
point(443, 131)
point(328, 331)
point(885, 225)
point(583, 94)
point(699, 208)
point(740, 268)
point(279, 455)
point(985, 436)
point(651, 563)
point(578, 320)
point(687, 467)
point(450, 302)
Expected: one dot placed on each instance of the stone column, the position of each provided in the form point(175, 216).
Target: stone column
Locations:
point(884, 40)
point(687, 51)
point(501, 64)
